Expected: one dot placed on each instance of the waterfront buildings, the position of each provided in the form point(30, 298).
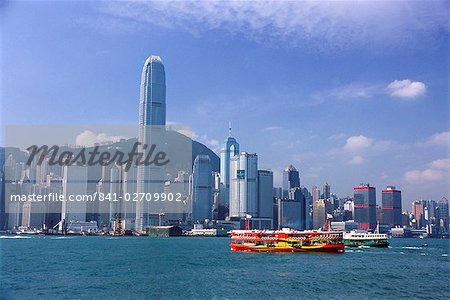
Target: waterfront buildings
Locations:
point(202, 189)
point(392, 206)
point(33, 215)
point(364, 198)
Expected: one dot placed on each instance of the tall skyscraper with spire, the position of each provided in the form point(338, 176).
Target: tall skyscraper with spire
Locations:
point(152, 103)
point(152, 112)
point(230, 148)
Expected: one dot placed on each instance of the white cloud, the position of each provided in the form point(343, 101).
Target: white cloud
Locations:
point(305, 23)
point(272, 128)
point(443, 163)
point(212, 142)
point(439, 139)
point(337, 136)
point(416, 176)
point(356, 160)
point(406, 88)
point(354, 91)
point(436, 170)
point(355, 143)
point(88, 138)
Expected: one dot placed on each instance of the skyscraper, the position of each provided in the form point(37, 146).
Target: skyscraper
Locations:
point(319, 213)
point(326, 191)
point(243, 185)
point(443, 215)
point(291, 179)
point(74, 183)
point(152, 103)
point(230, 148)
point(152, 112)
point(365, 206)
point(308, 206)
point(290, 214)
point(265, 194)
point(418, 212)
point(202, 188)
point(392, 206)
point(315, 193)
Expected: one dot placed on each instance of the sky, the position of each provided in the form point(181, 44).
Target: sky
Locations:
point(348, 92)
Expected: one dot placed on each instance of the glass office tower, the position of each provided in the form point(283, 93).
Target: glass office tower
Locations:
point(152, 119)
point(365, 206)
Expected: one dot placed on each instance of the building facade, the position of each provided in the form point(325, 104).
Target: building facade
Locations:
point(321, 208)
point(291, 179)
point(230, 148)
point(152, 112)
point(365, 213)
point(391, 199)
point(243, 185)
point(443, 215)
point(202, 189)
point(265, 191)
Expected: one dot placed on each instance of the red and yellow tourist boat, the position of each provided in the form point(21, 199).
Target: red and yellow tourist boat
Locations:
point(286, 240)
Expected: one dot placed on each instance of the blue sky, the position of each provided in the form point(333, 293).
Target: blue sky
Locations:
point(347, 92)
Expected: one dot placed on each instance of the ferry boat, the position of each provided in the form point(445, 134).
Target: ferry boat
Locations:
point(356, 238)
point(286, 240)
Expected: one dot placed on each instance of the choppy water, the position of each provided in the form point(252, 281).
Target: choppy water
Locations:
point(45, 267)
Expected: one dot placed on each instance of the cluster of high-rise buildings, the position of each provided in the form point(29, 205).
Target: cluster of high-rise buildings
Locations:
point(226, 195)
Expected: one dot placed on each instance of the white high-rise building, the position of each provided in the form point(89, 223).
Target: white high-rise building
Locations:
point(74, 184)
point(243, 185)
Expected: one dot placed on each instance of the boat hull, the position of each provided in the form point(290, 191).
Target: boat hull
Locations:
point(379, 244)
point(286, 240)
point(322, 248)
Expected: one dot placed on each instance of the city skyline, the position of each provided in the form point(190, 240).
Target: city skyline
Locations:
point(353, 114)
point(212, 149)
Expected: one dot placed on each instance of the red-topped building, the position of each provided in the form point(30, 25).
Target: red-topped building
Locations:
point(391, 199)
point(365, 206)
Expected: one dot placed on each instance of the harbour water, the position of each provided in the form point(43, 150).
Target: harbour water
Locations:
point(83, 267)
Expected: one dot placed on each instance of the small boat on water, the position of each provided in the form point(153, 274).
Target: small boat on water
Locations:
point(356, 238)
point(363, 239)
point(286, 240)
